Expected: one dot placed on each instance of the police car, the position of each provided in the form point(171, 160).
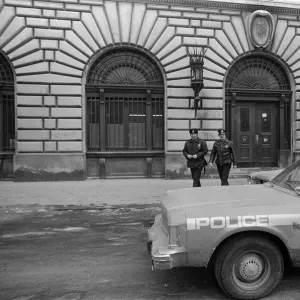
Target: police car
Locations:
point(248, 233)
point(262, 176)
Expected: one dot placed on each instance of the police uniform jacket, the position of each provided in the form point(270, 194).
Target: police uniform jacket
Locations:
point(193, 147)
point(224, 151)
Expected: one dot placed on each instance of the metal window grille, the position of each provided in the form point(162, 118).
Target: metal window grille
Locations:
point(7, 107)
point(257, 73)
point(125, 75)
point(124, 67)
point(287, 127)
point(126, 123)
point(93, 128)
point(137, 123)
point(6, 74)
point(228, 118)
point(158, 123)
point(8, 123)
point(115, 123)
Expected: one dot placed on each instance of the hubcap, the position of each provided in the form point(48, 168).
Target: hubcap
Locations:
point(250, 267)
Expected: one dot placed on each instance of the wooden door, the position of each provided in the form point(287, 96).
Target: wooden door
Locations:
point(265, 134)
point(256, 137)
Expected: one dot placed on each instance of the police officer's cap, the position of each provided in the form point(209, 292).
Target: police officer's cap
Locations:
point(220, 131)
point(194, 130)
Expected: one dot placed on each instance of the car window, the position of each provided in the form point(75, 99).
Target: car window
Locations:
point(290, 177)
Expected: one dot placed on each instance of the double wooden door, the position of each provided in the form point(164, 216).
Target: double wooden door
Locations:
point(256, 134)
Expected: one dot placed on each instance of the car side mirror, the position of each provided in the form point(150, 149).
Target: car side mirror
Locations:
point(297, 189)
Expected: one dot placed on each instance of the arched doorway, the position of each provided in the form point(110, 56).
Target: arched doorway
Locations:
point(257, 111)
point(7, 119)
point(125, 116)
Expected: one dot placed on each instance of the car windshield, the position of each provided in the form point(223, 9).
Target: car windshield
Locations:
point(289, 178)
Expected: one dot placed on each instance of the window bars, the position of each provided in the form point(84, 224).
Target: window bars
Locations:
point(257, 73)
point(129, 116)
point(7, 107)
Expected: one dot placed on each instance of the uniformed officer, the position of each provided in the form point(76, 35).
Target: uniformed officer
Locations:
point(194, 151)
point(223, 149)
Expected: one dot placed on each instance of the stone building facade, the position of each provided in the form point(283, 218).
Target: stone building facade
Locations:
point(97, 88)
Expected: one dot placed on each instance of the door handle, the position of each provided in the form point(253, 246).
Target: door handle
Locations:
point(256, 139)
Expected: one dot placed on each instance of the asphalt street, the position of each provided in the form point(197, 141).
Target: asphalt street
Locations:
point(57, 253)
point(87, 241)
point(95, 192)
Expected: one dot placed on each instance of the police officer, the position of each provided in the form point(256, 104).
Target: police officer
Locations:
point(223, 149)
point(194, 151)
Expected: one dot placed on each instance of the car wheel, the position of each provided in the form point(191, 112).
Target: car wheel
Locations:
point(248, 268)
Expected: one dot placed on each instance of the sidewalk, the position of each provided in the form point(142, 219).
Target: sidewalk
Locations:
point(95, 192)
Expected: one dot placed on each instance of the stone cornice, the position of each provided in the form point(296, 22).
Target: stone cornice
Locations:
point(276, 7)
point(284, 9)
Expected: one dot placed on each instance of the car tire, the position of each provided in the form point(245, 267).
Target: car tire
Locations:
point(248, 267)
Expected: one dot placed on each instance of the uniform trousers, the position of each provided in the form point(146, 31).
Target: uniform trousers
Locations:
point(223, 171)
point(196, 173)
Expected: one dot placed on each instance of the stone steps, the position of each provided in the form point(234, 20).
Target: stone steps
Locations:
point(236, 173)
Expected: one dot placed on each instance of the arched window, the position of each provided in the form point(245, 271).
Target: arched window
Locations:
point(125, 103)
point(7, 107)
point(257, 73)
point(125, 67)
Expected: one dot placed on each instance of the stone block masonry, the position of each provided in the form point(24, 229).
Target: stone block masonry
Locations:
point(47, 75)
point(52, 44)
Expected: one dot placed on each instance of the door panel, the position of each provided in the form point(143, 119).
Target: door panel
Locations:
point(255, 134)
point(245, 132)
point(265, 132)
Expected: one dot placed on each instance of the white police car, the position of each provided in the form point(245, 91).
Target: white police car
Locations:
point(247, 232)
point(262, 176)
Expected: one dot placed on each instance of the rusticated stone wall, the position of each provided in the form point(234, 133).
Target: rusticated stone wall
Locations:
point(50, 43)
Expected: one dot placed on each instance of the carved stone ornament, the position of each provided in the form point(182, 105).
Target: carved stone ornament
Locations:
point(261, 28)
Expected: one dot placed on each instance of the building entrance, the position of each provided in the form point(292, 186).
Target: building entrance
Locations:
point(256, 134)
point(257, 111)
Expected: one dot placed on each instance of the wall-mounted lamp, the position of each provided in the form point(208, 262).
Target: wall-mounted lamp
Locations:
point(196, 56)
